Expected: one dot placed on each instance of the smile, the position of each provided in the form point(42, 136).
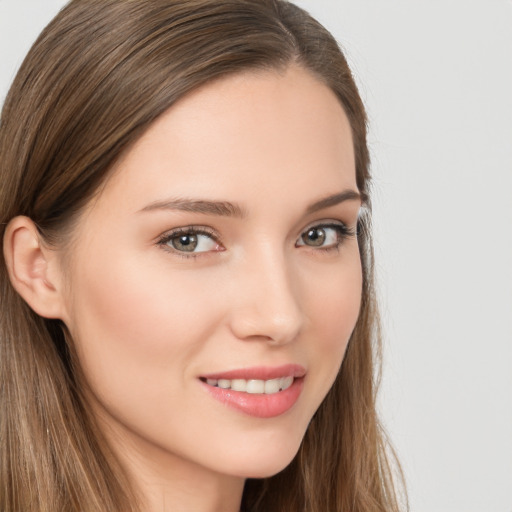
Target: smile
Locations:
point(262, 392)
point(253, 386)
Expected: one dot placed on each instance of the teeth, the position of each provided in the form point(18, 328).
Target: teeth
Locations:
point(272, 386)
point(239, 385)
point(224, 384)
point(286, 382)
point(253, 386)
point(256, 386)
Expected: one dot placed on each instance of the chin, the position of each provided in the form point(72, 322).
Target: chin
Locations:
point(268, 470)
point(261, 462)
point(263, 469)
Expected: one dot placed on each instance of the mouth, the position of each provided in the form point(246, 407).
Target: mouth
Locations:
point(253, 386)
point(262, 392)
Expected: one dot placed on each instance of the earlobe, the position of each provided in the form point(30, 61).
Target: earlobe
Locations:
point(33, 268)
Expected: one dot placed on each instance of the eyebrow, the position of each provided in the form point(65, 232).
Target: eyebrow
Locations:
point(326, 202)
point(228, 209)
point(220, 208)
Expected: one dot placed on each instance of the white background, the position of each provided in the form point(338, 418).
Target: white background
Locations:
point(436, 77)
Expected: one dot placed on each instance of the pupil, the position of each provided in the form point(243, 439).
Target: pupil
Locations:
point(185, 243)
point(316, 236)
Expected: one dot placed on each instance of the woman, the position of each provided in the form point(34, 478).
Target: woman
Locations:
point(188, 320)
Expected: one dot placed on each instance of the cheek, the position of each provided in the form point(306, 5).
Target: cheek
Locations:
point(334, 312)
point(341, 310)
point(136, 331)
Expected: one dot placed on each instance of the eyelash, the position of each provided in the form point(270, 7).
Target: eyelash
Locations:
point(191, 230)
point(342, 230)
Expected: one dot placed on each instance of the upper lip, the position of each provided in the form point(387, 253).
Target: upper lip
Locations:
point(259, 373)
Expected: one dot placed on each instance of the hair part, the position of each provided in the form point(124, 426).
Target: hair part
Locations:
point(97, 77)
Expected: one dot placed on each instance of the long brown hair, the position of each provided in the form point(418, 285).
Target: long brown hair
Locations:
point(94, 81)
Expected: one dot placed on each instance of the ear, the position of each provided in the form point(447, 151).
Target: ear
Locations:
point(34, 268)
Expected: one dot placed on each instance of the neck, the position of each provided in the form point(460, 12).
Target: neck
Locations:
point(189, 492)
point(166, 482)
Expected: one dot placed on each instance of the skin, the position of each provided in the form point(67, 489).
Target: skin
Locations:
point(147, 322)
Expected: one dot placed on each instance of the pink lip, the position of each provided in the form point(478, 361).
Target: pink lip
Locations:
point(260, 373)
point(259, 405)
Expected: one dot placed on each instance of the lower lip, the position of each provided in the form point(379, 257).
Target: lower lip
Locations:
point(259, 405)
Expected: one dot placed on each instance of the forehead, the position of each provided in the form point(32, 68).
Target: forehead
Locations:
point(239, 137)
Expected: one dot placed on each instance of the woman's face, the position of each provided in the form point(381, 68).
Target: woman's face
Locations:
point(220, 256)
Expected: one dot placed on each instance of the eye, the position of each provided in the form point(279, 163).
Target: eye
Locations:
point(325, 236)
point(189, 241)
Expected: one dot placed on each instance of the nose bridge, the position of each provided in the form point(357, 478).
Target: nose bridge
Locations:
point(270, 305)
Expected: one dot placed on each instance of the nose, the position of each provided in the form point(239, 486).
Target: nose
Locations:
point(268, 305)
